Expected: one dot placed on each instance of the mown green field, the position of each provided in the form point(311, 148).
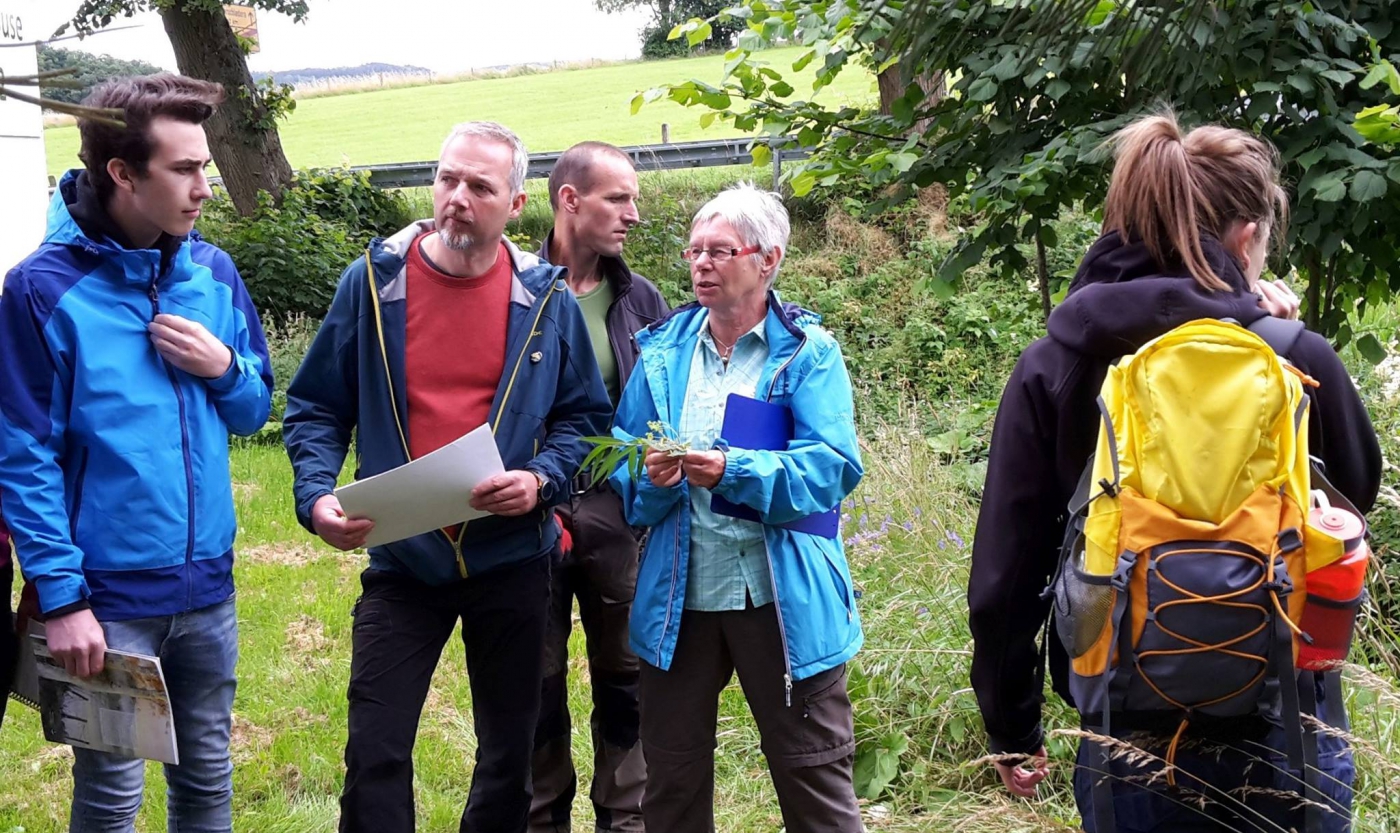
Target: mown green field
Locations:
point(550, 111)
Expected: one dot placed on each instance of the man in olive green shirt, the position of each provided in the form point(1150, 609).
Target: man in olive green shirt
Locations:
point(593, 191)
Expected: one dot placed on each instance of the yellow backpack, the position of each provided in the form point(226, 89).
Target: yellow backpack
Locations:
point(1184, 570)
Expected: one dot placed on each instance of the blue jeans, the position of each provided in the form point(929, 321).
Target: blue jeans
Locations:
point(1234, 778)
point(198, 651)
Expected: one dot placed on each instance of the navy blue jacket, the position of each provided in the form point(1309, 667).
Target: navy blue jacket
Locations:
point(549, 397)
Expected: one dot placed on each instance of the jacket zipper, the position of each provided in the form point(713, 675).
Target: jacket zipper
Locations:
point(505, 397)
point(184, 450)
point(671, 597)
point(773, 576)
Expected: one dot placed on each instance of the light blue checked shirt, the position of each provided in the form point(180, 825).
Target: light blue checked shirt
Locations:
point(728, 559)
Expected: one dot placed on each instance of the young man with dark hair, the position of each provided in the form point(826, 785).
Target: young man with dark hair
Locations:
point(593, 191)
point(438, 329)
point(129, 350)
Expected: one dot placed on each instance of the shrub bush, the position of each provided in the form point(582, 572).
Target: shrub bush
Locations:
point(291, 255)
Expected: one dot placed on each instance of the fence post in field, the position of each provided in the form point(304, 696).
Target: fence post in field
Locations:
point(665, 133)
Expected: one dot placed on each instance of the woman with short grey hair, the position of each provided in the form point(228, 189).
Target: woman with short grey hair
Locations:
point(743, 570)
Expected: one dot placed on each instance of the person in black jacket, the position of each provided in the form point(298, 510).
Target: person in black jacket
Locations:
point(1187, 225)
point(593, 191)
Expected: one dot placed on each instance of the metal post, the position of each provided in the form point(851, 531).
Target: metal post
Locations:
point(776, 151)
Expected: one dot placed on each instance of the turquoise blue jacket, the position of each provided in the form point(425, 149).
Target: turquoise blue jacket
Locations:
point(817, 616)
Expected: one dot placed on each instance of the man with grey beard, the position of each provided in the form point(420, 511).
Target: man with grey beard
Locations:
point(438, 329)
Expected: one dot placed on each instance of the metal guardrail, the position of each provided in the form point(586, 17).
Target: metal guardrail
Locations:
point(663, 157)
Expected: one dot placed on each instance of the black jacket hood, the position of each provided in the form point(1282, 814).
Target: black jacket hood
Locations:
point(1121, 298)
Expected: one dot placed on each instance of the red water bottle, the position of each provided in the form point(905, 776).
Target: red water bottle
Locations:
point(1335, 591)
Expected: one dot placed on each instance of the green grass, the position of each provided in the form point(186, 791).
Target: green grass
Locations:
point(550, 111)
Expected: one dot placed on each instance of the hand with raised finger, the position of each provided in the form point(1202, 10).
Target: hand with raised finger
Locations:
point(1278, 299)
point(335, 528)
point(509, 493)
point(704, 468)
point(663, 470)
point(1021, 778)
point(77, 640)
point(189, 346)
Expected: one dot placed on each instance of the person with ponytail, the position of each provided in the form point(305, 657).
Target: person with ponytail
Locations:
point(1188, 222)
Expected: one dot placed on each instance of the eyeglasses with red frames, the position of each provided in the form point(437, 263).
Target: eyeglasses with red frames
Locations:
point(720, 255)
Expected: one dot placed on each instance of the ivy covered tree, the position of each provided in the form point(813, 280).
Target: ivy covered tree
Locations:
point(1039, 85)
point(243, 132)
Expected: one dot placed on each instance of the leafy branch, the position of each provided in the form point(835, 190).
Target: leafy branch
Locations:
point(610, 452)
point(56, 78)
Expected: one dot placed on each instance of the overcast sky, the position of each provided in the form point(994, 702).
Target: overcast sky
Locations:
point(442, 35)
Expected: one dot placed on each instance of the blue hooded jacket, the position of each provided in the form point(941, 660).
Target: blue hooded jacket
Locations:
point(817, 616)
point(113, 463)
point(550, 396)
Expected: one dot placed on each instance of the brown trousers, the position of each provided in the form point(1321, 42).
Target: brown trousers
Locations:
point(810, 745)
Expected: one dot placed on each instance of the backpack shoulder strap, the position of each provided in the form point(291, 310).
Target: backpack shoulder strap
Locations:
point(1279, 333)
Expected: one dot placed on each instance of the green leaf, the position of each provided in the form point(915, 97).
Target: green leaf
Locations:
point(762, 154)
point(1371, 349)
point(1367, 186)
point(803, 183)
point(1307, 160)
point(902, 162)
point(1374, 77)
point(1337, 76)
point(802, 62)
point(1302, 83)
point(983, 89)
point(699, 34)
point(1329, 189)
point(1057, 88)
point(1100, 13)
point(637, 102)
point(708, 119)
point(781, 89)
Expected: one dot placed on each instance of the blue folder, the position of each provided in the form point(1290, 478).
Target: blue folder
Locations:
point(756, 425)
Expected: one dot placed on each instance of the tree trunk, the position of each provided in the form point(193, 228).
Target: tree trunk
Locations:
point(250, 159)
point(892, 85)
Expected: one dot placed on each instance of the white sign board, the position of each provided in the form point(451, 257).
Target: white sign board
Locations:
point(23, 173)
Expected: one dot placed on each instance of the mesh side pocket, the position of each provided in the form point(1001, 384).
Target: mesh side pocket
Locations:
point(1083, 605)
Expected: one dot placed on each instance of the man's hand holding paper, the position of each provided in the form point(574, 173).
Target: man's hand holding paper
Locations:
point(435, 491)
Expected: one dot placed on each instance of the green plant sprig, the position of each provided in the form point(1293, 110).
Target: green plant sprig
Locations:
point(609, 452)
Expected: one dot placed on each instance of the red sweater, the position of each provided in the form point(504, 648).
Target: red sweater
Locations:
point(456, 348)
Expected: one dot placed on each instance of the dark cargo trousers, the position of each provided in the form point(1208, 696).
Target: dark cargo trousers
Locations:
point(810, 745)
point(601, 572)
point(401, 626)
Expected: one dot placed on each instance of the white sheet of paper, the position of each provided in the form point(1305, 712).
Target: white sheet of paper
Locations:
point(429, 493)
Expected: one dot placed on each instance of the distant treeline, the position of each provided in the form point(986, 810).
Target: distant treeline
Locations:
point(94, 69)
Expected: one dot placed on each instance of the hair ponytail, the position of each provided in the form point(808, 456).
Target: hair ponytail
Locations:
point(1168, 189)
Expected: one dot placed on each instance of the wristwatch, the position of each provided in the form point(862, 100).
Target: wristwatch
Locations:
point(543, 484)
